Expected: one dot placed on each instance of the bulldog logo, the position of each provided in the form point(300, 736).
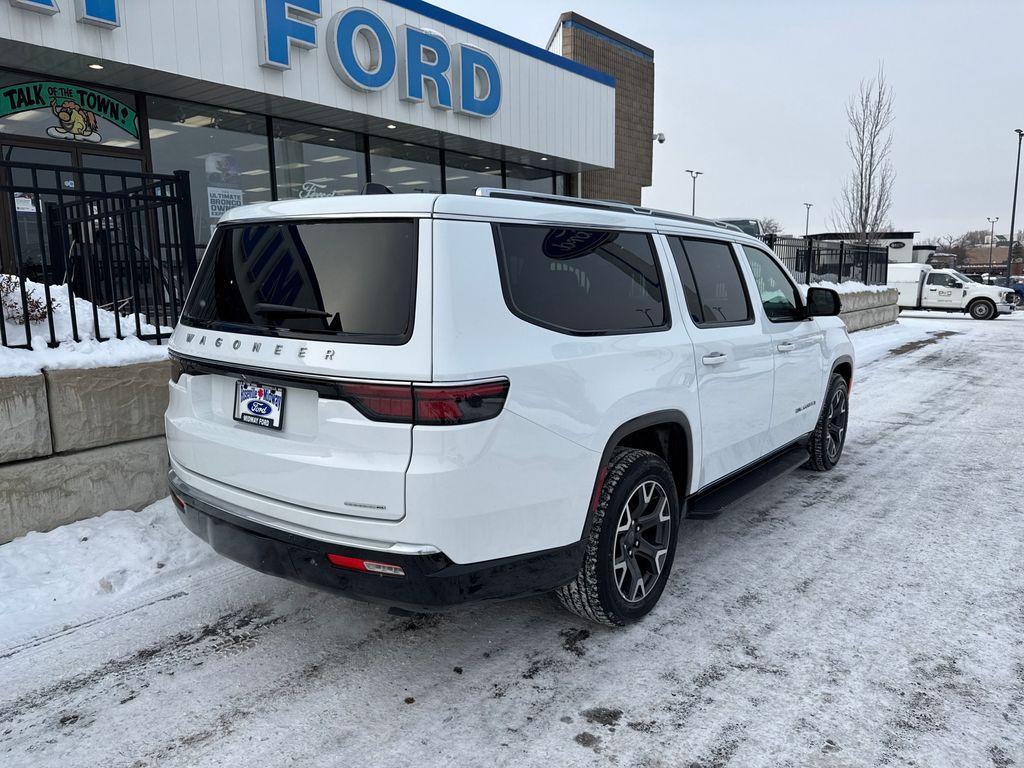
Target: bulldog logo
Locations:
point(75, 123)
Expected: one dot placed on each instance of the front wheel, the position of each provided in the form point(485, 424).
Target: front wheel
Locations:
point(982, 310)
point(630, 544)
point(829, 436)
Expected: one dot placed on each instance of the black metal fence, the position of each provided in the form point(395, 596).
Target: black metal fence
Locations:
point(122, 240)
point(812, 261)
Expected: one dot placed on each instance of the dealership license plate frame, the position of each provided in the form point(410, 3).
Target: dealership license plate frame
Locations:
point(263, 422)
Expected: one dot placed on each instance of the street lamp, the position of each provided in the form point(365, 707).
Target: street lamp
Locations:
point(807, 224)
point(693, 204)
point(991, 240)
point(1013, 210)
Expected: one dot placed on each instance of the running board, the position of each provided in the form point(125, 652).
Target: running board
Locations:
point(712, 501)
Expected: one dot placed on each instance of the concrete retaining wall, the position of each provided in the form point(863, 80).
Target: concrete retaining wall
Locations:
point(78, 443)
point(869, 309)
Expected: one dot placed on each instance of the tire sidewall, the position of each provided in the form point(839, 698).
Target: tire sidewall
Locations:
point(838, 383)
point(618, 609)
point(988, 310)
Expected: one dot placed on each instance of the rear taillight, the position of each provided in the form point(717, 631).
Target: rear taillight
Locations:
point(366, 566)
point(427, 405)
point(461, 404)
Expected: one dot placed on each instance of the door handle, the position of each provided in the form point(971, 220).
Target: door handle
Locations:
point(786, 346)
point(716, 358)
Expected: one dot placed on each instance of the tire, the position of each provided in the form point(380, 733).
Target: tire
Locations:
point(1018, 300)
point(606, 589)
point(829, 436)
point(982, 309)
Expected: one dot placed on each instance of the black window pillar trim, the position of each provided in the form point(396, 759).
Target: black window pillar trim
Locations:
point(272, 155)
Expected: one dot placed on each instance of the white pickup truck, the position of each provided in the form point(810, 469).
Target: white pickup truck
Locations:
point(921, 286)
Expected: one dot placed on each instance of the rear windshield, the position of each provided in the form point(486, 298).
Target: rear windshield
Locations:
point(350, 279)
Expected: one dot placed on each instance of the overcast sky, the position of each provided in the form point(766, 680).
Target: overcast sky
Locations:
point(753, 93)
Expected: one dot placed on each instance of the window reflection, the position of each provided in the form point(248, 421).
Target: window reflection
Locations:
point(404, 167)
point(317, 162)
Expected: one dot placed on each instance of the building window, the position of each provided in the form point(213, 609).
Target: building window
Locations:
point(528, 179)
point(224, 151)
point(79, 115)
point(464, 173)
point(317, 162)
point(403, 167)
point(561, 184)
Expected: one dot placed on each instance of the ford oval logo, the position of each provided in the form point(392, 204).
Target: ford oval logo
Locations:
point(897, 244)
point(258, 408)
point(572, 243)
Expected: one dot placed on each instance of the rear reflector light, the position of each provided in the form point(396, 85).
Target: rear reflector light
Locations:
point(366, 566)
point(176, 369)
point(427, 405)
point(178, 502)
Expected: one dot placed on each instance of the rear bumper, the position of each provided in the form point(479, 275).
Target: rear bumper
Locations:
point(430, 580)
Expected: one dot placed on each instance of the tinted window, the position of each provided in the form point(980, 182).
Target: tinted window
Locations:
point(778, 294)
point(581, 280)
point(715, 293)
point(354, 279)
point(938, 278)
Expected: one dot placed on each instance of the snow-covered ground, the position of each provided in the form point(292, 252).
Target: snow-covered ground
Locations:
point(85, 353)
point(869, 616)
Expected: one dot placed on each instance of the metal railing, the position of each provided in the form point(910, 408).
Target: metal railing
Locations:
point(122, 240)
point(812, 261)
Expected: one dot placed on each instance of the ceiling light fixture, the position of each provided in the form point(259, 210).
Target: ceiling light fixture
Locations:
point(391, 126)
point(95, 65)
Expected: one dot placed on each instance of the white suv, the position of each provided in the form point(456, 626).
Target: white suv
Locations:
point(427, 400)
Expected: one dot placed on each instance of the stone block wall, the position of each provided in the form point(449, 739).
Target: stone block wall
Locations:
point(869, 309)
point(80, 443)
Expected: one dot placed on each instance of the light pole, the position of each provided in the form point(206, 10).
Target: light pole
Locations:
point(1013, 210)
point(807, 224)
point(991, 240)
point(694, 175)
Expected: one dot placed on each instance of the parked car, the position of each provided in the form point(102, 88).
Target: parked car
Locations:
point(426, 400)
point(1015, 284)
point(749, 226)
point(923, 287)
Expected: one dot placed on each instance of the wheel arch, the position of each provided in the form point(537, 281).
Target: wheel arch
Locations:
point(843, 365)
point(666, 433)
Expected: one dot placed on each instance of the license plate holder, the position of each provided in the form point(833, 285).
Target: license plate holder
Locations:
point(259, 405)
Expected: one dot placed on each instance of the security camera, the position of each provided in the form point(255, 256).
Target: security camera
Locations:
point(660, 138)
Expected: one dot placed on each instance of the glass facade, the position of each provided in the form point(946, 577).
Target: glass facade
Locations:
point(464, 173)
point(311, 161)
point(529, 179)
point(232, 157)
point(404, 167)
point(225, 152)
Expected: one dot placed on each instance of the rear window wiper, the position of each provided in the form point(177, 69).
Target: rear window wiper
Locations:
point(286, 310)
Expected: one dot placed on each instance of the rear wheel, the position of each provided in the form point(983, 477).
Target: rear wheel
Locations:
point(982, 309)
point(630, 544)
point(829, 436)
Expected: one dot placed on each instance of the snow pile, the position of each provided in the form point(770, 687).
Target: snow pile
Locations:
point(87, 353)
point(849, 287)
point(77, 568)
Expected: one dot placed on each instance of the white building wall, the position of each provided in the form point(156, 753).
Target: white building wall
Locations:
point(545, 109)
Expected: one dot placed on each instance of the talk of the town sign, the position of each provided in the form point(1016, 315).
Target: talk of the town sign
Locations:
point(364, 52)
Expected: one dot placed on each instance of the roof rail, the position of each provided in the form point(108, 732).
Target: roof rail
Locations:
point(603, 205)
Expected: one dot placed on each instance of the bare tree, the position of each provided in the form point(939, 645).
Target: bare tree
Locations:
point(769, 225)
point(866, 198)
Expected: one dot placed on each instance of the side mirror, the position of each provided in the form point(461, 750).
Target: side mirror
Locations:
point(957, 284)
point(823, 302)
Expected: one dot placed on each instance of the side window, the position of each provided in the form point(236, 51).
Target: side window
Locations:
point(938, 278)
point(778, 294)
point(712, 283)
point(581, 281)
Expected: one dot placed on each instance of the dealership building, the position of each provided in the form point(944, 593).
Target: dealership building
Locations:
point(279, 99)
